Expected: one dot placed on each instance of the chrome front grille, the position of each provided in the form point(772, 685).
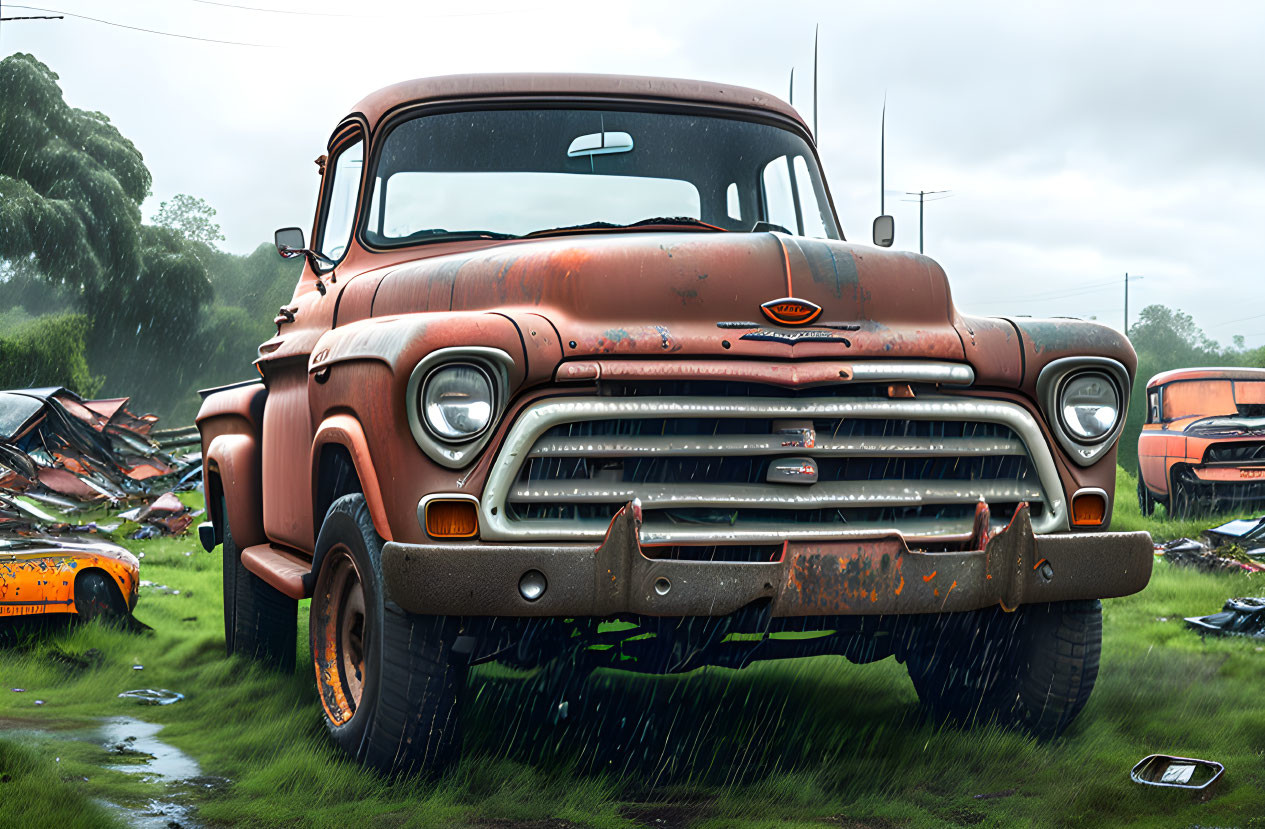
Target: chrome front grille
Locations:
point(699, 466)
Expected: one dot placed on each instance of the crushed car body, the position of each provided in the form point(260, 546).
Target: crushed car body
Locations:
point(572, 349)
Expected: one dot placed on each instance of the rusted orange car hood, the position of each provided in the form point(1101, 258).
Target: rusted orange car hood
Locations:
point(657, 293)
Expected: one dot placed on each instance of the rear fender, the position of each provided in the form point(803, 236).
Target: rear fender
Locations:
point(232, 467)
point(229, 422)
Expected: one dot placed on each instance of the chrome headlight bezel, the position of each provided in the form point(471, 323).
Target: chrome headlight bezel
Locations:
point(456, 453)
point(435, 376)
point(1067, 388)
point(1051, 387)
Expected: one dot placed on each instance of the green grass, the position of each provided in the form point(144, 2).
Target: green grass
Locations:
point(799, 743)
point(1127, 516)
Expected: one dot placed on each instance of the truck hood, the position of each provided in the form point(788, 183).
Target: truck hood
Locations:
point(648, 293)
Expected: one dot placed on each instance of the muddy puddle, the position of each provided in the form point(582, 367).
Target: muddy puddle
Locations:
point(155, 761)
point(136, 745)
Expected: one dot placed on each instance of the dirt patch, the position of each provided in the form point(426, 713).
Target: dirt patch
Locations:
point(665, 815)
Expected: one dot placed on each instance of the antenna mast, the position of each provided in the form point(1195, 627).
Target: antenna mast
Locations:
point(882, 160)
point(816, 33)
point(790, 99)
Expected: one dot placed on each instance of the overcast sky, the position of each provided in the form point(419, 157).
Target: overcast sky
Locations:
point(1080, 141)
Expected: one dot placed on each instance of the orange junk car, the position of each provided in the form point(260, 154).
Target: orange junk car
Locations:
point(50, 575)
point(1202, 447)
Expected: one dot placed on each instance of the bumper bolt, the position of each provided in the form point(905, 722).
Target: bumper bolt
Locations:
point(1046, 571)
point(662, 586)
point(532, 585)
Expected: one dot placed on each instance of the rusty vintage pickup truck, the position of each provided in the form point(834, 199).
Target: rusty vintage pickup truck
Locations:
point(569, 350)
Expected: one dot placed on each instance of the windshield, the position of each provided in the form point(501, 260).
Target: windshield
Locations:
point(1211, 398)
point(512, 172)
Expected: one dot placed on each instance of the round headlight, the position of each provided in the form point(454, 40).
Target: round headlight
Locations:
point(1089, 406)
point(457, 402)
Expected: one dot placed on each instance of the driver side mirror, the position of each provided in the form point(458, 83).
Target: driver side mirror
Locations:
point(884, 231)
point(289, 242)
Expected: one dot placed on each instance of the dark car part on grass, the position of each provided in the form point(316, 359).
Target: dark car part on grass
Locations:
point(487, 443)
point(1248, 533)
point(1202, 555)
point(1240, 617)
point(1176, 772)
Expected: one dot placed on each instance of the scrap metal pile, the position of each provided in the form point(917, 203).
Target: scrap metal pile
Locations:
point(61, 452)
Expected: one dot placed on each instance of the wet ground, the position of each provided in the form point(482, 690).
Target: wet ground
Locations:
point(139, 751)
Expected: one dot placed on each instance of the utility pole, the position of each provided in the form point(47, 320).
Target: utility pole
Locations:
point(1127, 280)
point(922, 198)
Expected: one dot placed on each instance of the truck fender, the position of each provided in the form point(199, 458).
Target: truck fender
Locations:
point(234, 460)
point(345, 430)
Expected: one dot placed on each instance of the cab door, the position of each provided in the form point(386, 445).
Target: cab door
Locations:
point(283, 361)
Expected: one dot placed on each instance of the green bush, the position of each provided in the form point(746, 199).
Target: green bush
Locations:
point(48, 351)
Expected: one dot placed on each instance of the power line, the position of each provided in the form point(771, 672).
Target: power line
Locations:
point(1052, 297)
point(1127, 280)
point(266, 10)
point(141, 29)
point(275, 11)
point(1224, 323)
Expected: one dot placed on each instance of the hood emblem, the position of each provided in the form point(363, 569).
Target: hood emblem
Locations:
point(791, 311)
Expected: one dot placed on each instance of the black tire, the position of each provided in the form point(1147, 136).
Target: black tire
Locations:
point(1033, 669)
point(1181, 504)
point(97, 597)
point(388, 681)
point(260, 622)
point(1146, 501)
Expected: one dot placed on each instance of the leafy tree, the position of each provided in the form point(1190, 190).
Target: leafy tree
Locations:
point(192, 218)
point(70, 222)
point(70, 183)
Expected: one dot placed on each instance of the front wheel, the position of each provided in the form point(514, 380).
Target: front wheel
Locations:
point(1032, 669)
point(388, 681)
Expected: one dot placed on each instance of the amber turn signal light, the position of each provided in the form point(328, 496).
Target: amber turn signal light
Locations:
point(451, 518)
point(1089, 509)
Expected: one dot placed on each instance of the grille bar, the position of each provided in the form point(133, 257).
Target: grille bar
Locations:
point(910, 466)
point(726, 445)
point(817, 496)
point(659, 531)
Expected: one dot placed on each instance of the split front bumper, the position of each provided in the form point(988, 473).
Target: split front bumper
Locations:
point(855, 577)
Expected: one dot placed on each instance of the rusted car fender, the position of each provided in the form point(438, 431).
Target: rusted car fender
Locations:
point(358, 382)
point(229, 422)
point(1047, 340)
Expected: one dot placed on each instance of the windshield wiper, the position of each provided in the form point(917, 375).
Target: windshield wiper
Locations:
point(682, 221)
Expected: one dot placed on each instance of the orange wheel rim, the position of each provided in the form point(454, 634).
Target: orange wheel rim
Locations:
point(339, 635)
